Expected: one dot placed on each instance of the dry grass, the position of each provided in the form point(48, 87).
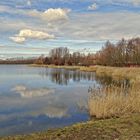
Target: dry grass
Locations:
point(55, 66)
point(112, 101)
point(132, 74)
point(88, 69)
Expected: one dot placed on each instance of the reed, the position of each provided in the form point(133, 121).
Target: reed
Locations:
point(112, 101)
point(117, 73)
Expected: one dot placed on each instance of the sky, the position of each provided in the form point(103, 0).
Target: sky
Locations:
point(33, 27)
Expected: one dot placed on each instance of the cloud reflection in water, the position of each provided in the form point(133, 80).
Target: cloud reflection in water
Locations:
point(51, 98)
point(52, 112)
point(30, 93)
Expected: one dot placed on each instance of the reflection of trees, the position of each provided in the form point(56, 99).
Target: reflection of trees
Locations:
point(63, 77)
point(60, 77)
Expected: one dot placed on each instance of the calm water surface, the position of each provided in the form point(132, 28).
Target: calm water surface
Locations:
point(36, 99)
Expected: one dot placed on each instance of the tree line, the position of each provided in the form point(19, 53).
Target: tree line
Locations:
point(62, 56)
point(18, 61)
point(122, 53)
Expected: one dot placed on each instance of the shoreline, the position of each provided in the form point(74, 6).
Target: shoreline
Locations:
point(116, 73)
point(81, 68)
point(125, 128)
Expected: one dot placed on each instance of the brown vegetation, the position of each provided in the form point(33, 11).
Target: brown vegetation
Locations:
point(123, 53)
point(62, 56)
point(112, 101)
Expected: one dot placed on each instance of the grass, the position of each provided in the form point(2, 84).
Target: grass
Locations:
point(124, 128)
point(55, 66)
point(81, 68)
point(112, 101)
point(117, 73)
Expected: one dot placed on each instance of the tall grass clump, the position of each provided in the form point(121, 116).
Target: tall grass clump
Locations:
point(111, 101)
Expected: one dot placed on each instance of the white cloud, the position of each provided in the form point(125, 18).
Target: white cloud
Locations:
point(94, 6)
point(31, 34)
point(114, 25)
point(29, 3)
point(51, 14)
point(55, 14)
point(27, 33)
point(18, 39)
point(102, 26)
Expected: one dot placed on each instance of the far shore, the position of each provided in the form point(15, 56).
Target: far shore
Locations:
point(130, 73)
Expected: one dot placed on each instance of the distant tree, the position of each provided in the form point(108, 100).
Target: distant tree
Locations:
point(123, 53)
point(40, 60)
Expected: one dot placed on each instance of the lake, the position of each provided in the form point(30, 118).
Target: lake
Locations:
point(35, 99)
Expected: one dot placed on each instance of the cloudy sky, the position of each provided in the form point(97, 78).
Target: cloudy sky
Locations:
point(33, 27)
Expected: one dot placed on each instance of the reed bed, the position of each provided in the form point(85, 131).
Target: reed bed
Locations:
point(117, 73)
point(112, 101)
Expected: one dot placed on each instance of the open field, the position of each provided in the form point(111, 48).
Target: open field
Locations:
point(124, 128)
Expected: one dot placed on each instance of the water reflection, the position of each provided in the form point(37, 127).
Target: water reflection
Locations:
point(33, 99)
point(30, 93)
point(51, 111)
point(63, 76)
point(36, 99)
point(107, 80)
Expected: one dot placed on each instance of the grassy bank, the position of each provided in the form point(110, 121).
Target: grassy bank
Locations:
point(124, 128)
point(55, 66)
